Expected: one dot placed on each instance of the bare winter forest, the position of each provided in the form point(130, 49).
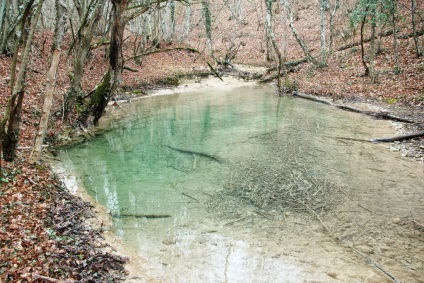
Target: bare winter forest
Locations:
point(64, 62)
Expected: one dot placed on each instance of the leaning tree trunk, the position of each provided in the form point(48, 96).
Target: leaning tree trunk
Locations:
point(100, 97)
point(51, 81)
point(298, 39)
point(10, 123)
point(89, 15)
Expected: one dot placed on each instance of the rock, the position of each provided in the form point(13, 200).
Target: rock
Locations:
point(396, 221)
point(170, 241)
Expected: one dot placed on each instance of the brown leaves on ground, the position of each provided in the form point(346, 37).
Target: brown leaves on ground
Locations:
point(42, 232)
point(41, 227)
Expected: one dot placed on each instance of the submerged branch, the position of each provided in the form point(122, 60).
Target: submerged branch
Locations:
point(148, 216)
point(216, 159)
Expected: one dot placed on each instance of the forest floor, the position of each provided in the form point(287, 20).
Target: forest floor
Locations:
point(43, 229)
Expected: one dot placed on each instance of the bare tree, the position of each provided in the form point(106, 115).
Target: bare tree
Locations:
point(208, 24)
point(88, 13)
point(364, 63)
point(393, 9)
point(9, 125)
point(373, 12)
point(298, 39)
point(414, 28)
point(186, 28)
point(270, 31)
point(51, 80)
point(324, 7)
point(333, 13)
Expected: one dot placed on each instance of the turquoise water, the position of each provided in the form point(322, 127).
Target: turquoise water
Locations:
point(170, 154)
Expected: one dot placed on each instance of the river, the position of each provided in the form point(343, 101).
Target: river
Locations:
point(227, 182)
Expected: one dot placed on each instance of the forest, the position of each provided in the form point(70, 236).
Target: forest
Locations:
point(65, 63)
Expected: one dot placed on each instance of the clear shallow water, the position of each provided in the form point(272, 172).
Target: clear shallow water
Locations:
point(143, 167)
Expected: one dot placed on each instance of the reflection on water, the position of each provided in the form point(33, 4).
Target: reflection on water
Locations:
point(171, 154)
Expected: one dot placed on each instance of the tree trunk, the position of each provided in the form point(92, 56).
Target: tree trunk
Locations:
point(100, 97)
point(208, 24)
point(324, 4)
point(269, 49)
point(393, 10)
point(4, 24)
point(156, 34)
point(12, 116)
point(186, 28)
point(414, 28)
point(373, 72)
point(51, 81)
point(172, 5)
point(270, 31)
point(3, 17)
point(89, 15)
point(117, 36)
point(298, 39)
point(333, 13)
point(367, 70)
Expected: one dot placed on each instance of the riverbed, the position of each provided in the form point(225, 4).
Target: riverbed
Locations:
point(226, 182)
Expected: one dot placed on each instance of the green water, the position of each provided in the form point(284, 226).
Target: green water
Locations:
point(144, 167)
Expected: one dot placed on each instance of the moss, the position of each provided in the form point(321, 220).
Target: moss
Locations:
point(101, 89)
point(173, 81)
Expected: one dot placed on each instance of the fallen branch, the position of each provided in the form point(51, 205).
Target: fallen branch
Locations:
point(163, 50)
point(234, 221)
point(148, 216)
point(273, 77)
point(130, 69)
point(369, 260)
point(186, 195)
point(49, 279)
point(288, 64)
point(116, 258)
point(378, 115)
point(66, 223)
point(188, 49)
point(418, 224)
point(383, 34)
point(399, 138)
